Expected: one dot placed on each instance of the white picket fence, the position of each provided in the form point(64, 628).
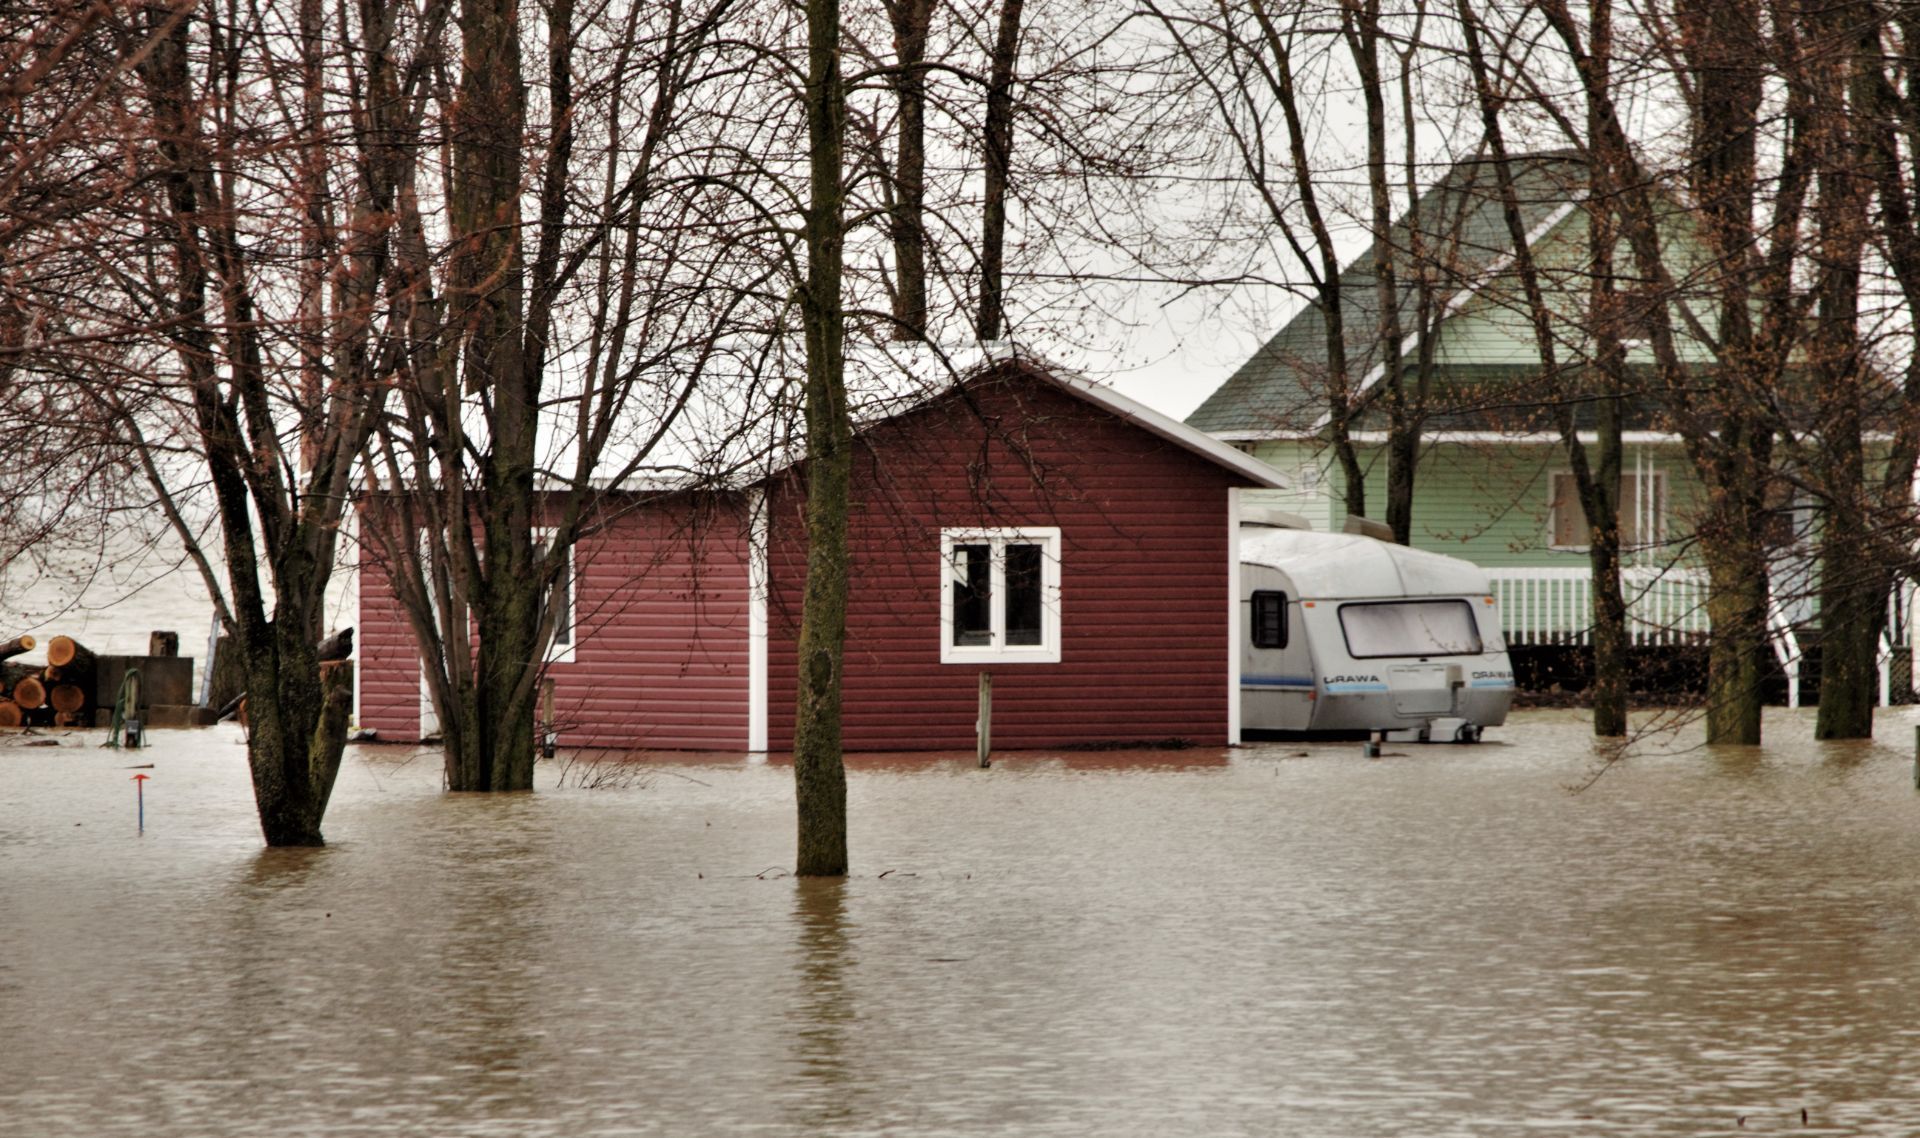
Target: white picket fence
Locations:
point(1664, 607)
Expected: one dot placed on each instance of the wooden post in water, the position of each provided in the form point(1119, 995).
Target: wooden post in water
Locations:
point(549, 736)
point(133, 731)
point(1916, 756)
point(984, 726)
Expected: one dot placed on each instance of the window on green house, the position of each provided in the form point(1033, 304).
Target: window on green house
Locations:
point(1642, 511)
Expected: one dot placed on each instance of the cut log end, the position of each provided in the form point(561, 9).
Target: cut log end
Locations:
point(29, 693)
point(17, 645)
point(10, 714)
point(65, 650)
point(67, 699)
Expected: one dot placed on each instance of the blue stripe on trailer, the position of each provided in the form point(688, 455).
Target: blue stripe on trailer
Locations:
point(1356, 687)
point(1304, 682)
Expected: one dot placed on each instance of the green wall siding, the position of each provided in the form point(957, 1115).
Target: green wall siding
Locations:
point(1486, 502)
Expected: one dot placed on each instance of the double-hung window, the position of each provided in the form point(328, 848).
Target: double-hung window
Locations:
point(1000, 596)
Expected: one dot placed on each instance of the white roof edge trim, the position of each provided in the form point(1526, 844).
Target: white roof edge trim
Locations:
point(1528, 438)
point(1458, 300)
point(1524, 438)
point(1168, 428)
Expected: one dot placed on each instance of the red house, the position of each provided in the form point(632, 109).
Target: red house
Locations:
point(1027, 523)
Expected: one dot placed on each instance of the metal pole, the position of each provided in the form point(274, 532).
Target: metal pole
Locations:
point(983, 728)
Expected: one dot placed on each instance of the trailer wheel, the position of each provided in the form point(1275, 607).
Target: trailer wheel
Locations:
point(1468, 733)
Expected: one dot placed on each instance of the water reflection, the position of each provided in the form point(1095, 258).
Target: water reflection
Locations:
point(1285, 939)
point(823, 1007)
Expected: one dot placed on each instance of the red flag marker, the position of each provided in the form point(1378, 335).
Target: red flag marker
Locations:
point(140, 793)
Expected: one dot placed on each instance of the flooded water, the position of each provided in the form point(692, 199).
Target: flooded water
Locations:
point(1283, 940)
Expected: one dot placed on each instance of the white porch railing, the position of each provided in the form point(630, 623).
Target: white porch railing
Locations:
point(1555, 606)
point(1664, 606)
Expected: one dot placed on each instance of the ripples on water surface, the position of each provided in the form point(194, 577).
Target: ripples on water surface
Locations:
point(1290, 941)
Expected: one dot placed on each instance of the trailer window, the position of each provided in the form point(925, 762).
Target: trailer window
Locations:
point(1269, 619)
point(1410, 628)
point(1000, 601)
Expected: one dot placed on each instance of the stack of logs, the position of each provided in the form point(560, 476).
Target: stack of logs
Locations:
point(57, 695)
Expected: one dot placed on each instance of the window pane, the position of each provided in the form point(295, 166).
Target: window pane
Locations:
point(1633, 502)
point(1569, 518)
point(563, 604)
point(1637, 504)
point(1023, 595)
point(1410, 628)
point(1269, 619)
point(972, 595)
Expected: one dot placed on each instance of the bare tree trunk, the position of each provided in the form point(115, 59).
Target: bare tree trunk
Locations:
point(1721, 42)
point(1360, 24)
point(1737, 611)
point(492, 747)
point(999, 153)
point(911, 20)
point(1600, 494)
point(1853, 587)
point(820, 781)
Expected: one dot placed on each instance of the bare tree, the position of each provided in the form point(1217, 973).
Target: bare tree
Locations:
point(1602, 377)
point(193, 317)
point(819, 776)
point(558, 354)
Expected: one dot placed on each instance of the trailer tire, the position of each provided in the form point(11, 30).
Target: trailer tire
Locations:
point(1468, 733)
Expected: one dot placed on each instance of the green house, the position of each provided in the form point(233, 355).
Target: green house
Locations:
point(1492, 480)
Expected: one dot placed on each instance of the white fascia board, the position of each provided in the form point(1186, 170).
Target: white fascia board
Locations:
point(759, 589)
point(1234, 730)
point(1410, 341)
point(1633, 438)
point(1525, 438)
point(1174, 431)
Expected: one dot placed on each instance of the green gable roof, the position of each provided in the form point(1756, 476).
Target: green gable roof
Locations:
point(1463, 233)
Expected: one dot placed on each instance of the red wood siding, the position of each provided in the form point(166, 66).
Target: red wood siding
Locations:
point(661, 658)
point(389, 667)
point(1144, 577)
point(663, 645)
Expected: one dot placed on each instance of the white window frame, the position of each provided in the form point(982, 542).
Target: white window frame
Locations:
point(558, 653)
point(1048, 650)
point(1638, 503)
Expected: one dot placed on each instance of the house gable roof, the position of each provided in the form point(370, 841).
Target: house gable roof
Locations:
point(1251, 469)
point(1281, 389)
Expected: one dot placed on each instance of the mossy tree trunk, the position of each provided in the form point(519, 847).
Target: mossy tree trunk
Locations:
point(1853, 588)
point(820, 781)
point(1736, 654)
point(488, 728)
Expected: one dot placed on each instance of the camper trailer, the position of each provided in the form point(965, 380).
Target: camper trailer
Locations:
point(1343, 634)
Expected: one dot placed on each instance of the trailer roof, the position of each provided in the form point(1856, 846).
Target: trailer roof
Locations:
point(1342, 565)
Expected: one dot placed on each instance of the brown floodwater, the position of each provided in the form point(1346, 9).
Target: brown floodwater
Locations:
point(1279, 940)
